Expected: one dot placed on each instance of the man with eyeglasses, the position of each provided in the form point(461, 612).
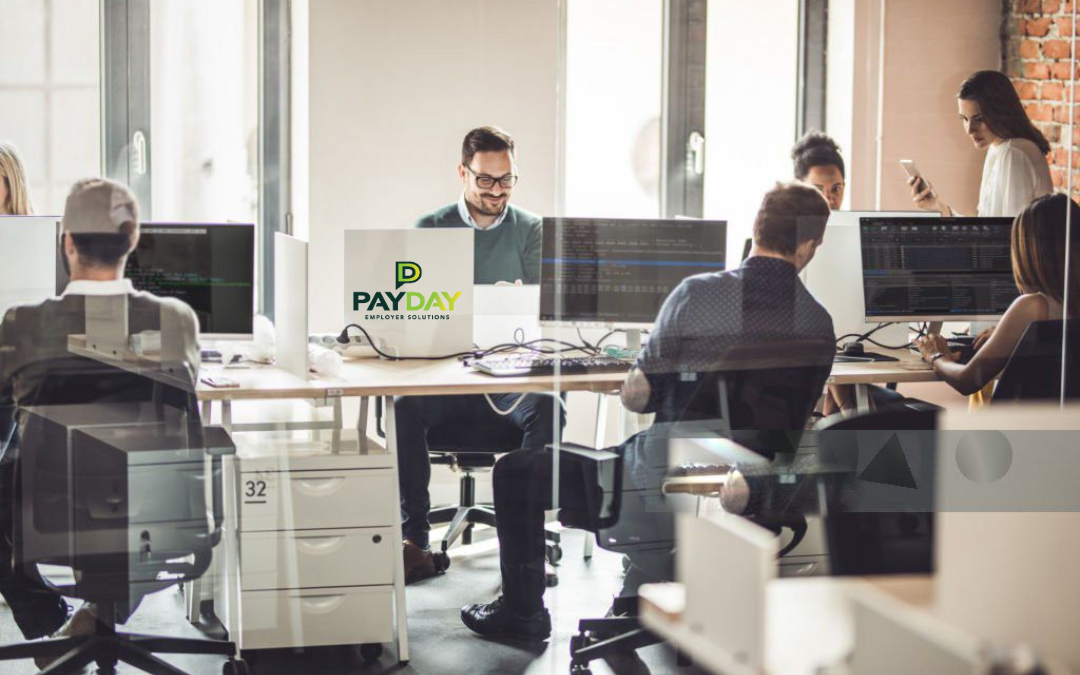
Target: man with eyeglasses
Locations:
point(507, 250)
point(507, 237)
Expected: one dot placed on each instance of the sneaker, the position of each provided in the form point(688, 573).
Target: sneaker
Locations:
point(82, 622)
point(497, 620)
point(419, 563)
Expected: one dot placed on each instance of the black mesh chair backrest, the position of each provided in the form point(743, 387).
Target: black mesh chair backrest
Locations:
point(762, 396)
point(1033, 372)
point(64, 493)
point(877, 471)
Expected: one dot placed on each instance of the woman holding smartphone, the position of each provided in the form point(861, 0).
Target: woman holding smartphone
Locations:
point(1039, 268)
point(1015, 171)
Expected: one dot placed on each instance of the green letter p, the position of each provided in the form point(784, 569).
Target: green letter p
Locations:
point(407, 273)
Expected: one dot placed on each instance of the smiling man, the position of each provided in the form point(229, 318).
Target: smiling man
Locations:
point(507, 237)
point(507, 250)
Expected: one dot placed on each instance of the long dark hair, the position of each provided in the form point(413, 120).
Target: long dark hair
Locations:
point(816, 149)
point(1001, 107)
point(1038, 250)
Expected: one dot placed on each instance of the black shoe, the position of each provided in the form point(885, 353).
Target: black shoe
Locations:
point(497, 620)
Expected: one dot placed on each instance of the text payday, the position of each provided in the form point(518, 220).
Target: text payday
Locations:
point(413, 301)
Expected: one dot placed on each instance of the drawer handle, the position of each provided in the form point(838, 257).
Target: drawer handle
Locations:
point(318, 487)
point(319, 545)
point(321, 604)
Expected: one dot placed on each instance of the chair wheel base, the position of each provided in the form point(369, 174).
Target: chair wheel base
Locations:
point(371, 651)
point(441, 560)
point(235, 667)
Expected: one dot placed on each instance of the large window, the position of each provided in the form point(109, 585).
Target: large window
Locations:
point(750, 108)
point(204, 109)
point(49, 93)
point(613, 101)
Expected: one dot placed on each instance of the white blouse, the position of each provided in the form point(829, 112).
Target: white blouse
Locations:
point(1015, 173)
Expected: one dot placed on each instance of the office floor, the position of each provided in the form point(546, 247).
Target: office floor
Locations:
point(438, 641)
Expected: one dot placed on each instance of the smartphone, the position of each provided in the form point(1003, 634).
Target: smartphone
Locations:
point(913, 172)
point(220, 382)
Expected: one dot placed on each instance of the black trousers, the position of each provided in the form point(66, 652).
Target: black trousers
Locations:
point(38, 611)
point(522, 483)
point(416, 415)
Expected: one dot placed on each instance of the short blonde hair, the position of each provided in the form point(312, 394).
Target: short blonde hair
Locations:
point(18, 192)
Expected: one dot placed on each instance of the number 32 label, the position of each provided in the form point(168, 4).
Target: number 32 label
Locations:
point(255, 491)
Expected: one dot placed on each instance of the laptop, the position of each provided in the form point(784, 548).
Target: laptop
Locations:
point(411, 290)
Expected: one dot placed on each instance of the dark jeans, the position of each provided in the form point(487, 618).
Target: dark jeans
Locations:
point(37, 610)
point(417, 415)
point(522, 485)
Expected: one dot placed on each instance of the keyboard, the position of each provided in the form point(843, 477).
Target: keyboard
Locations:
point(516, 365)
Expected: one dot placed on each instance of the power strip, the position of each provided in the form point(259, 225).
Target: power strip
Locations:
point(358, 345)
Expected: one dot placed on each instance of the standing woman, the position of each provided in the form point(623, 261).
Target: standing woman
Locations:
point(14, 192)
point(1015, 171)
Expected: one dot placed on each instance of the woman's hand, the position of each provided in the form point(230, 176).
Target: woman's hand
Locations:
point(981, 339)
point(922, 193)
point(932, 344)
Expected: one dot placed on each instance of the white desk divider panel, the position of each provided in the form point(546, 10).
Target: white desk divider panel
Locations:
point(28, 276)
point(894, 638)
point(1006, 529)
point(290, 304)
point(725, 563)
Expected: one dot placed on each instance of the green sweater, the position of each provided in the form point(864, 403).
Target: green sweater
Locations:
point(508, 252)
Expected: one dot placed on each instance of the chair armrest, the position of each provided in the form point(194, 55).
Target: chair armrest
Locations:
point(217, 442)
point(701, 486)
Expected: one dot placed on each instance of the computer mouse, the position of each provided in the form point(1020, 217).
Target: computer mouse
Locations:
point(854, 349)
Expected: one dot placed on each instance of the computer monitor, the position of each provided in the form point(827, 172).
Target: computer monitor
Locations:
point(210, 266)
point(608, 272)
point(28, 271)
point(834, 275)
point(948, 269)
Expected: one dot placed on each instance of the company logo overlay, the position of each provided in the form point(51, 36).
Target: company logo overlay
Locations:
point(387, 301)
point(407, 273)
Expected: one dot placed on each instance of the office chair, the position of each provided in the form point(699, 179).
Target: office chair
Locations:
point(1033, 372)
point(469, 449)
point(114, 487)
point(763, 405)
point(877, 472)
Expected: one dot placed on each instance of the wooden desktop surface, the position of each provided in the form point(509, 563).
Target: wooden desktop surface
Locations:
point(377, 377)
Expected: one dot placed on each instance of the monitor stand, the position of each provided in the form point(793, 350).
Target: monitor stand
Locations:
point(633, 339)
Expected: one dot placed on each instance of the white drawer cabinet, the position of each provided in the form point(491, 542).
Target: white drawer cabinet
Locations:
point(313, 544)
point(306, 500)
point(317, 558)
point(314, 617)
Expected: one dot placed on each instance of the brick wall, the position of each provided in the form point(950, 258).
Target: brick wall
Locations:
point(1037, 41)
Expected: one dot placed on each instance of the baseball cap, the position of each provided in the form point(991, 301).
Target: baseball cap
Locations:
point(100, 206)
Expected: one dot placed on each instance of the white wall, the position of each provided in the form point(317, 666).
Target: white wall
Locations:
point(892, 92)
point(392, 89)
